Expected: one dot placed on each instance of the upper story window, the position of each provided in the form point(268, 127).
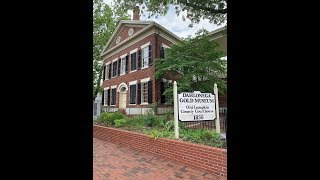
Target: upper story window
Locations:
point(123, 66)
point(162, 50)
point(145, 56)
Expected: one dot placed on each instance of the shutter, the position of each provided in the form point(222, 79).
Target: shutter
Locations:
point(104, 72)
point(133, 92)
point(119, 66)
point(102, 100)
point(139, 93)
point(139, 59)
point(114, 66)
point(150, 55)
point(110, 70)
point(163, 97)
point(150, 92)
point(133, 61)
point(108, 94)
point(161, 52)
point(127, 59)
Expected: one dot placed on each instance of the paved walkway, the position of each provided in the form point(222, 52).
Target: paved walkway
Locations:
point(111, 161)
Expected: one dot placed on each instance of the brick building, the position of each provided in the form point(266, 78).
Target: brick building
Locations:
point(129, 84)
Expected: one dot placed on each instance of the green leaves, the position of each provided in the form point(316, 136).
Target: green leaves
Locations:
point(213, 10)
point(104, 23)
point(198, 60)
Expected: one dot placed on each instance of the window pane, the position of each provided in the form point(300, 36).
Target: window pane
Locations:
point(123, 66)
point(144, 92)
point(145, 57)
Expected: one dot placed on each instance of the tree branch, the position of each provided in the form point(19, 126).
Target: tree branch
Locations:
point(209, 9)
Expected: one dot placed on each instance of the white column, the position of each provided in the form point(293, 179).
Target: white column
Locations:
point(175, 110)
point(217, 108)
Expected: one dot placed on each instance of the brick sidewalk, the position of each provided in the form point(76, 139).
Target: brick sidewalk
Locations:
point(111, 161)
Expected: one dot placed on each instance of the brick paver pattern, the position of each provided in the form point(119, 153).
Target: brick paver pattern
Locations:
point(111, 161)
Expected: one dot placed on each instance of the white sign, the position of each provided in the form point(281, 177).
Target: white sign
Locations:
point(196, 106)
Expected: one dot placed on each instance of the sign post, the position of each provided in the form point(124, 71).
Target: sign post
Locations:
point(215, 90)
point(175, 111)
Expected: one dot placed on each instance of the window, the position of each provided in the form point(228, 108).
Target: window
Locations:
point(163, 47)
point(114, 69)
point(144, 92)
point(145, 57)
point(133, 62)
point(133, 93)
point(113, 97)
point(123, 66)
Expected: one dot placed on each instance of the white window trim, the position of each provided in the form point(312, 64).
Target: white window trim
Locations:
point(145, 67)
point(124, 55)
point(106, 64)
point(133, 82)
point(114, 86)
point(133, 51)
point(145, 80)
point(106, 88)
point(133, 71)
point(114, 60)
point(145, 45)
point(165, 46)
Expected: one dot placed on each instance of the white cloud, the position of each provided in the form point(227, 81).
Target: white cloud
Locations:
point(175, 24)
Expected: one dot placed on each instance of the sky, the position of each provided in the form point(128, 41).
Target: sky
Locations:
point(174, 23)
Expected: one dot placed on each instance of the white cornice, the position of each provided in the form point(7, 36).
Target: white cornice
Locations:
point(130, 43)
point(142, 31)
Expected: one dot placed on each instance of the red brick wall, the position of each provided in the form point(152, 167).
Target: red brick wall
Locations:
point(124, 34)
point(209, 159)
point(139, 74)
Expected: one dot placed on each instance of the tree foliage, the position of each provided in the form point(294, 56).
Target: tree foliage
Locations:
point(198, 63)
point(213, 10)
point(104, 23)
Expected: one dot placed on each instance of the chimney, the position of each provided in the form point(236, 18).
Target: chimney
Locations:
point(136, 13)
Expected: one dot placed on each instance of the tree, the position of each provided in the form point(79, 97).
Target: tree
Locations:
point(104, 23)
point(195, 63)
point(213, 10)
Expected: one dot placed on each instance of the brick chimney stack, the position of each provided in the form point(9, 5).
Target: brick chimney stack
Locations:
point(136, 13)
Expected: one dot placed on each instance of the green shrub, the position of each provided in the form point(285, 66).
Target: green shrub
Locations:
point(156, 133)
point(202, 136)
point(136, 121)
point(108, 118)
point(169, 125)
point(120, 122)
point(153, 120)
